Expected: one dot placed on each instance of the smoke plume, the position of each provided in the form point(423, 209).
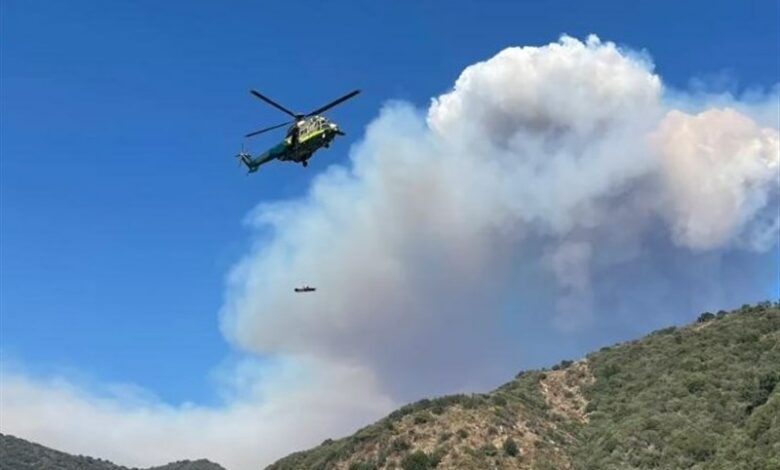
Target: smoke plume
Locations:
point(561, 160)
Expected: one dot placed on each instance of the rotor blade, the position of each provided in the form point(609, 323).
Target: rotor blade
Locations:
point(269, 129)
point(333, 103)
point(274, 104)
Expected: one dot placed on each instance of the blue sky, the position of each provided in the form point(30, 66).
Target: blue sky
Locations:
point(121, 202)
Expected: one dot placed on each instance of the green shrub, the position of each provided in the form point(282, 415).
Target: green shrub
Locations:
point(562, 365)
point(705, 317)
point(437, 456)
point(665, 331)
point(498, 400)
point(362, 466)
point(417, 460)
point(608, 371)
point(510, 447)
point(696, 383)
point(759, 393)
point(399, 445)
point(488, 450)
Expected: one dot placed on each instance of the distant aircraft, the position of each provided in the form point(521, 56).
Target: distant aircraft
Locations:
point(307, 134)
point(305, 289)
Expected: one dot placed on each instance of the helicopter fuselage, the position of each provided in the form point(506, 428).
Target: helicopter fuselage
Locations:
point(306, 134)
point(306, 137)
point(303, 139)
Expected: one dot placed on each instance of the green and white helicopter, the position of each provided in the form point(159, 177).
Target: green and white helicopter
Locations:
point(306, 134)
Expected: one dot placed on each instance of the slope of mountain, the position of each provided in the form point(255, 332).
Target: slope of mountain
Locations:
point(18, 454)
point(704, 396)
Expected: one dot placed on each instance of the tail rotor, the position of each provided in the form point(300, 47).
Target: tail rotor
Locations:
point(243, 157)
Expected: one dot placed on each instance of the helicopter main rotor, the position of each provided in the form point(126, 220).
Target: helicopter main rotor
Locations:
point(296, 116)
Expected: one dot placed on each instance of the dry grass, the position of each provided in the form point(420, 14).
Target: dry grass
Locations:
point(474, 437)
point(562, 389)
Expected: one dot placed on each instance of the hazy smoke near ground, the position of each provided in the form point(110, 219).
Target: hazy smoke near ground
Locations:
point(298, 404)
point(555, 199)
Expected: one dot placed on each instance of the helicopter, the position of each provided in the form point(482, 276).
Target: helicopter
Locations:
point(306, 134)
point(305, 289)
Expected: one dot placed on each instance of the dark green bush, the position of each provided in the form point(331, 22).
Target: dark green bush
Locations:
point(437, 456)
point(705, 317)
point(488, 450)
point(417, 460)
point(498, 400)
point(399, 445)
point(665, 331)
point(510, 447)
point(759, 393)
point(362, 466)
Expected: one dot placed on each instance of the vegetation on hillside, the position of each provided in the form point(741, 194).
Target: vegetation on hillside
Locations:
point(19, 454)
point(704, 396)
point(456, 431)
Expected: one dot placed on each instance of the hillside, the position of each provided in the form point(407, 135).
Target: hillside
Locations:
point(704, 396)
point(18, 454)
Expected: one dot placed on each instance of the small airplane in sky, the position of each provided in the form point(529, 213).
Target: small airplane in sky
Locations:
point(306, 134)
point(305, 289)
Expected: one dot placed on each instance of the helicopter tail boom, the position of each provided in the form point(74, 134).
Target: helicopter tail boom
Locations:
point(254, 163)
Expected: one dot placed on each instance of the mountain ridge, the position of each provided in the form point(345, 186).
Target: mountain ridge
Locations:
point(699, 396)
point(20, 454)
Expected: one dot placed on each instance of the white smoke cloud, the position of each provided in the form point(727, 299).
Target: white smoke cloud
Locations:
point(720, 169)
point(556, 196)
point(566, 150)
point(290, 408)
